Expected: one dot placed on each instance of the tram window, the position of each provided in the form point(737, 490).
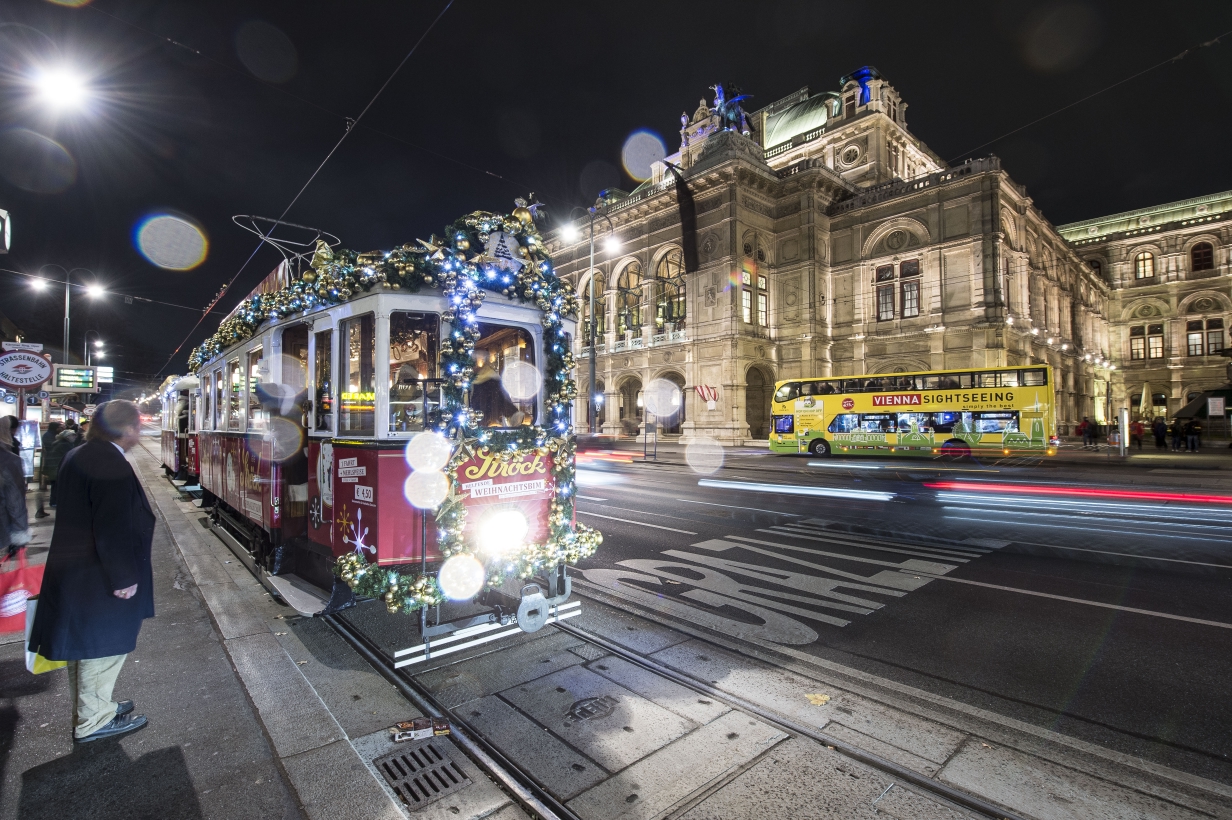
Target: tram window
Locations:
point(220, 399)
point(995, 422)
point(206, 421)
point(1034, 378)
point(295, 359)
point(235, 387)
point(323, 381)
point(414, 384)
point(358, 405)
point(787, 392)
point(257, 415)
point(497, 347)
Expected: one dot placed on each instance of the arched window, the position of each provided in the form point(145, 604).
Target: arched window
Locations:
point(1144, 265)
point(669, 292)
point(1096, 267)
point(584, 296)
point(629, 299)
point(1202, 257)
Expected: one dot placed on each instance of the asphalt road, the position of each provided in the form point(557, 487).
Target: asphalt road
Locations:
point(1105, 616)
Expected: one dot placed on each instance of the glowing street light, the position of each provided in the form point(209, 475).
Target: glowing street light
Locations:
point(94, 291)
point(60, 88)
point(569, 232)
point(38, 284)
point(611, 245)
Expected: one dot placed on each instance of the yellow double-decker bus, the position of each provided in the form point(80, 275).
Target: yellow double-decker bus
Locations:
point(1002, 411)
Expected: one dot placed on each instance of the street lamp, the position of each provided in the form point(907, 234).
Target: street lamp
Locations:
point(60, 88)
point(612, 246)
point(94, 290)
point(85, 344)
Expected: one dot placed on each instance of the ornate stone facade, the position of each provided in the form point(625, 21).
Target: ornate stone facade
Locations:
point(831, 242)
point(1168, 268)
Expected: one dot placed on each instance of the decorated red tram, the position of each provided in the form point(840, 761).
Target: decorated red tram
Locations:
point(398, 424)
point(178, 433)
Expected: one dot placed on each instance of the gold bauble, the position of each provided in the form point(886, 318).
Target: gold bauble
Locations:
point(523, 215)
point(522, 252)
point(309, 276)
point(462, 244)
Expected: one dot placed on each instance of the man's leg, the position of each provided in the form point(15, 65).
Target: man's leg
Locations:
point(94, 707)
point(74, 667)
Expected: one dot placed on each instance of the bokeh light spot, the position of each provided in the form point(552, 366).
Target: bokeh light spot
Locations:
point(171, 242)
point(461, 577)
point(426, 489)
point(662, 397)
point(703, 455)
point(521, 380)
point(266, 51)
point(35, 163)
point(72, 4)
point(428, 452)
point(642, 150)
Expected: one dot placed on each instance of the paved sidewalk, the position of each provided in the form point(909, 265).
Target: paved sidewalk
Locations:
point(203, 755)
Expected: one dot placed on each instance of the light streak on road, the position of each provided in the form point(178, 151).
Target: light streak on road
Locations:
point(1081, 492)
point(839, 465)
point(734, 507)
point(793, 489)
point(612, 458)
point(598, 478)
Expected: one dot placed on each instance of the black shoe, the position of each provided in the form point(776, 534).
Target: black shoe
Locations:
point(41, 514)
point(124, 707)
point(119, 725)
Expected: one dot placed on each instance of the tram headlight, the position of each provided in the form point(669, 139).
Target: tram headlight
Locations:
point(461, 577)
point(502, 531)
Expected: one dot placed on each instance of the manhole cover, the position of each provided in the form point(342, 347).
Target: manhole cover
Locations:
point(421, 774)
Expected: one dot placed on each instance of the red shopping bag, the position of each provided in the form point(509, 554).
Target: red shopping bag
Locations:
point(16, 585)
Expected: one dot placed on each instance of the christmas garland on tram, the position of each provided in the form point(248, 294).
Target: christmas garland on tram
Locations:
point(480, 253)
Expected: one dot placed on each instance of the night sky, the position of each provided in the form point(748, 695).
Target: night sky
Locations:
point(504, 98)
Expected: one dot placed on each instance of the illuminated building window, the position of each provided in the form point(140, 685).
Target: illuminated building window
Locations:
point(629, 299)
point(1144, 266)
point(911, 299)
point(747, 306)
point(1137, 342)
point(885, 303)
point(763, 310)
point(1214, 337)
point(1202, 257)
point(670, 292)
point(1155, 341)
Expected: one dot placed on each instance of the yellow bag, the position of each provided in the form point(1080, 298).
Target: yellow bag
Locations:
point(35, 662)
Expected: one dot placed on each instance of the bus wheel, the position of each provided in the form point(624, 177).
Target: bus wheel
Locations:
point(956, 447)
point(820, 447)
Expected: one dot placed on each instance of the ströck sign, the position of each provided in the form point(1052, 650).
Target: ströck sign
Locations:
point(23, 370)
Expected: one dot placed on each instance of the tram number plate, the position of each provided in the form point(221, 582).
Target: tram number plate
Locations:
point(363, 493)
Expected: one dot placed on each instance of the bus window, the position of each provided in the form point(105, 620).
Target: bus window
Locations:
point(824, 388)
point(257, 414)
point(1008, 378)
point(985, 379)
point(943, 422)
point(414, 389)
point(810, 388)
point(845, 423)
point(497, 347)
point(784, 425)
point(995, 421)
point(928, 382)
point(877, 422)
point(323, 383)
point(358, 404)
point(1034, 378)
point(923, 421)
point(879, 385)
point(787, 392)
point(234, 387)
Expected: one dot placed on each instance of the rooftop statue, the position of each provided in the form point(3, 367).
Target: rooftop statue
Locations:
point(730, 114)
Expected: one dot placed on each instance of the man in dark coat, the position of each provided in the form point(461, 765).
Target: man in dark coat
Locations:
point(98, 585)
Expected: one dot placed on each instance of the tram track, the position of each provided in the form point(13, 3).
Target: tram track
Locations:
point(537, 799)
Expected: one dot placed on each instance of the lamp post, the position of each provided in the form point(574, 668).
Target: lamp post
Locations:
point(98, 344)
point(93, 290)
point(612, 245)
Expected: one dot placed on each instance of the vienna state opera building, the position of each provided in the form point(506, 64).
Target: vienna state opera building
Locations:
point(831, 241)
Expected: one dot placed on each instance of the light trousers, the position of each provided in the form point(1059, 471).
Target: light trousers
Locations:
point(90, 683)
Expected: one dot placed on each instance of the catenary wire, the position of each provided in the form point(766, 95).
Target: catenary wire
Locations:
point(337, 145)
point(109, 291)
point(1206, 44)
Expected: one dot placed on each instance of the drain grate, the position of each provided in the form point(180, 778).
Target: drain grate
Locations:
point(421, 774)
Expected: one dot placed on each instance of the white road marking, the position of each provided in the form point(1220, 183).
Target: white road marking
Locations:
point(886, 577)
point(817, 526)
point(734, 507)
point(589, 498)
point(1100, 604)
point(641, 512)
point(795, 533)
point(639, 523)
point(792, 489)
point(1127, 555)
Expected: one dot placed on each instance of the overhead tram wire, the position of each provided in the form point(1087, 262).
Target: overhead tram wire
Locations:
point(350, 127)
point(109, 291)
point(1206, 44)
point(314, 104)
